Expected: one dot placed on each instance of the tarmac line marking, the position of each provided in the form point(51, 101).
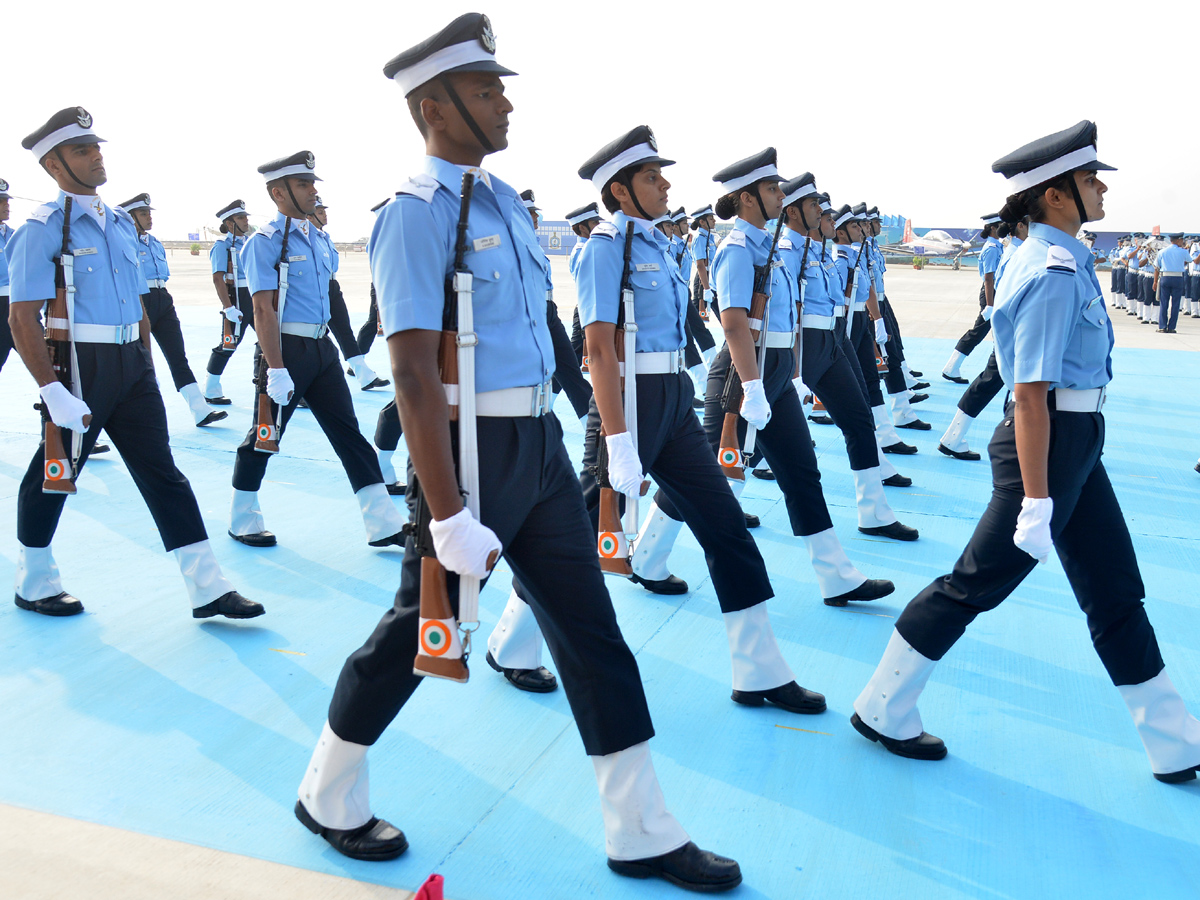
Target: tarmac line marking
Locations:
point(288, 652)
point(805, 730)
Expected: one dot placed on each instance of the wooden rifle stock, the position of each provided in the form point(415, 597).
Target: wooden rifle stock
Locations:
point(439, 650)
point(729, 450)
point(59, 470)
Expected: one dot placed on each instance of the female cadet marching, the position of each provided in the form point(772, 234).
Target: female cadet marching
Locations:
point(750, 192)
point(670, 444)
point(1050, 491)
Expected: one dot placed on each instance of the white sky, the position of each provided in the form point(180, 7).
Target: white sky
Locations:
point(157, 79)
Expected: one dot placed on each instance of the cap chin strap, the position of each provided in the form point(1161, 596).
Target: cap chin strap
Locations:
point(804, 218)
point(70, 171)
point(761, 208)
point(627, 179)
point(1083, 216)
point(287, 183)
point(467, 117)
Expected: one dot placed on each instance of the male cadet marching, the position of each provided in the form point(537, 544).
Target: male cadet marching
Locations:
point(160, 310)
point(104, 378)
point(989, 259)
point(5, 233)
point(530, 506)
point(237, 308)
point(1170, 272)
point(292, 322)
point(339, 316)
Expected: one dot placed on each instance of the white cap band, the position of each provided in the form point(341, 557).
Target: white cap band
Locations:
point(1076, 159)
point(63, 135)
point(443, 60)
point(300, 169)
point(583, 217)
point(728, 187)
point(806, 190)
point(140, 204)
point(843, 219)
point(992, 220)
point(236, 211)
point(635, 154)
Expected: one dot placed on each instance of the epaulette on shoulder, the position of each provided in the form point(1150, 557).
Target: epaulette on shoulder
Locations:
point(423, 186)
point(122, 214)
point(267, 231)
point(43, 212)
point(785, 244)
point(606, 229)
point(1060, 259)
point(735, 238)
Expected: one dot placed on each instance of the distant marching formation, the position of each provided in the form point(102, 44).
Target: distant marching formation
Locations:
point(463, 294)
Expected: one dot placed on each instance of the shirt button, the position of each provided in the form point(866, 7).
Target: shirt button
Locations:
point(495, 274)
point(89, 268)
point(654, 284)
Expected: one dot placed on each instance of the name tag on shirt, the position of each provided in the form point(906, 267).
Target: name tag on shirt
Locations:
point(486, 243)
point(297, 258)
point(85, 251)
point(648, 267)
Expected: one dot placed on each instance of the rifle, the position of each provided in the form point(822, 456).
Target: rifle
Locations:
point(440, 653)
point(760, 311)
point(701, 303)
point(270, 414)
point(231, 333)
point(614, 536)
point(439, 650)
point(60, 469)
point(802, 283)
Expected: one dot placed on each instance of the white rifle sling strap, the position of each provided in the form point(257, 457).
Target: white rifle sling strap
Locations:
point(631, 416)
point(283, 289)
point(468, 444)
point(751, 431)
point(68, 267)
point(237, 326)
point(852, 279)
point(801, 282)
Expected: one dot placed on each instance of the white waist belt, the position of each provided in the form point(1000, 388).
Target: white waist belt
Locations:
point(1088, 401)
point(663, 362)
point(513, 402)
point(156, 282)
point(860, 305)
point(1171, 274)
point(820, 323)
point(304, 329)
point(99, 334)
point(781, 340)
point(4, 291)
point(839, 312)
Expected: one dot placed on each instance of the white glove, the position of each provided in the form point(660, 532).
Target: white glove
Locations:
point(708, 296)
point(988, 311)
point(1033, 527)
point(65, 409)
point(463, 544)
point(233, 314)
point(881, 334)
point(624, 467)
point(280, 386)
point(755, 408)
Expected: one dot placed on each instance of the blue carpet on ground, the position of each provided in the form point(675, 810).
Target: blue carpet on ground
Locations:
point(136, 716)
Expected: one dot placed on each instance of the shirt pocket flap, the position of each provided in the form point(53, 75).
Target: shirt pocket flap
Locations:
point(649, 281)
point(1096, 314)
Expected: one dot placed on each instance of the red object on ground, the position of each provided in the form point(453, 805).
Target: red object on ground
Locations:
point(432, 888)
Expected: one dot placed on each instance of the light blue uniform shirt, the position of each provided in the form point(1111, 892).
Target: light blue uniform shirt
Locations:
point(740, 252)
point(704, 246)
point(817, 298)
point(412, 255)
point(5, 234)
point(1050, 322)
point(153, 258)
point(1173, 259)
point(108, 279)
point(1131, 258)
point(573, 259)
point(1013, 244)
point(310, 266)
point(659, 293)
point(323, 235)
point(683, 258)
point(219, 256)
point(847, 259)
point(989, 257)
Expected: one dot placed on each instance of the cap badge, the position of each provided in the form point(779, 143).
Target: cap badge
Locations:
point(3, 185)
point(310, 161)
point(486, 36)
point(84, 118)
point(651, 141)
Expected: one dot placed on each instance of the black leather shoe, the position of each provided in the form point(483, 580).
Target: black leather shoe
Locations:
point(898, 480)
point(920, 385)
point(916, 425)
point(377, 383)
point(536, 681)
point(915, 374)
point(957, 379)
point(215, 416)
point(752, 520)
point(923, 746)
point(896, 531)
point(1160, 331)
point(918, 398)
point(59, 605)
point(394, 540)
point(669, 585)
point(232, 606)
point(349, 370)
point(788, 696)
point(958, 454)
point(1178, 777)
point(764, 474)
point(217, 401)
point(1170, 331)
point(689, 867)
point(398, 489)
point(1197, 467)
point(99, 448)
point(259, 539)
point(871, 589)
point(377, 841)
point(901, 448)
point(820, 420)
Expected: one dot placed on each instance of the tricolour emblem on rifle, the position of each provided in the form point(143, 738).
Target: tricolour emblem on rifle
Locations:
point(730, 457)
point(612, 545)
point(266, 431)
point(57, 469)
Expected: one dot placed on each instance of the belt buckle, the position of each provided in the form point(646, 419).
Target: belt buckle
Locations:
point(1103, 397)
point(535, 402)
